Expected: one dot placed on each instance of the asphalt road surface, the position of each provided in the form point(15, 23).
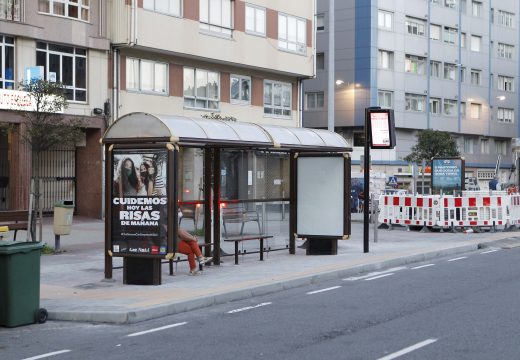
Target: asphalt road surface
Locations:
point(463, 307)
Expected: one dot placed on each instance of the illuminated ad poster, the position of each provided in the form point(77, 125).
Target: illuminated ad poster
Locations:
point(380, 127)
point(139, 202)
point(447, 175)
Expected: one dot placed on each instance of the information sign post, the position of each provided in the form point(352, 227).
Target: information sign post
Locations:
point(379, 134)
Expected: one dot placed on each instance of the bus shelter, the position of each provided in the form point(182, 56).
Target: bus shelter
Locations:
point(219, 180)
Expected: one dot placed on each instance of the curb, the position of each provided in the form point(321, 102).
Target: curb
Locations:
point(138, 315)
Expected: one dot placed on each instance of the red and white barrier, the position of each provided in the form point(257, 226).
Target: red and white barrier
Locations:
point(408, 210)
point(473, 211)
point(450, 211)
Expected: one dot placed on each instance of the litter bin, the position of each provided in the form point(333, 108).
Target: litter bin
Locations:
point(63, 211)
point(20, 284)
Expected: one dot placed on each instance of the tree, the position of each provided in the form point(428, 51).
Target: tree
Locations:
point(432, 143)
point(45, 127)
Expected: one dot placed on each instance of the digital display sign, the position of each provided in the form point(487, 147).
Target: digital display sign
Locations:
point(382, 128)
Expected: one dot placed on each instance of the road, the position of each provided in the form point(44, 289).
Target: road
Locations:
point(463, 307)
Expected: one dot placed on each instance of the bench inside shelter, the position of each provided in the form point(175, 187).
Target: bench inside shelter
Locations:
point(15, 220)
point(238, 213)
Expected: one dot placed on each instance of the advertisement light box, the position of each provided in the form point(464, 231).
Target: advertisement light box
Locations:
point(382, 128)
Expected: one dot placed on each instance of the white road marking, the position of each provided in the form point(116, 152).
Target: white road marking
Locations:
point(489, 251)
point(48, 355)
point(248, 308)
point(459, 258)
point(354, 278)
point(157, 329)
point(408, 349)
point(379, 277)
point(422, 266)
point(323, 290)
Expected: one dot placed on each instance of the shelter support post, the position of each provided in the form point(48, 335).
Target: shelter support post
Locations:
point(292, 204)
point(207, 198)
point(108, 214)
point(216, 205)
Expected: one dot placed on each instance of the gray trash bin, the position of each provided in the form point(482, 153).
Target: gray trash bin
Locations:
point(63, 212)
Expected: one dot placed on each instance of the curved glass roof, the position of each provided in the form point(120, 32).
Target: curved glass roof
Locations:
point(209, 131)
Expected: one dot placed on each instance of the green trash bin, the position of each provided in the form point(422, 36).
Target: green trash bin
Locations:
point(20, 284)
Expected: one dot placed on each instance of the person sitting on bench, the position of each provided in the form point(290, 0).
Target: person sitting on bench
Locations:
point(187, 245)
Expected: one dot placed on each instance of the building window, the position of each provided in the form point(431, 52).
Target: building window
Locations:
point(67, 65)
point(463, 40)
point(277, 98)
point(292, 34)
point(385, 19)
point(468, 145)
point(320, 22)
point(450, 3)
point(506, 18)
point(170, 7)
point(506, 83)
point(450, 107)
point(314, 100)
point(255, 20)
point(501, 147)
point(475, 43)
point(320, 61)
point(6, 62)
point(10, 10)
point(505, 51)
point(76, 9)
point(415, 26)
point(435, 32)
point(385, 98)
point(386, 59)
point(475, 111)
point(415, 64)
point(450, 34)
point(216, 16)
point(201, 89)
point(435, 68)
point(476, 76)
point(415, 102)
point(435, 106)
point(476, 8)
point(450, 71)
point(484, 146)
point(146, 76)
point(506, 115)
point(240, 89)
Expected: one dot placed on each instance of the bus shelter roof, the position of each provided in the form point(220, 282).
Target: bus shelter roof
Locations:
point(143, 127)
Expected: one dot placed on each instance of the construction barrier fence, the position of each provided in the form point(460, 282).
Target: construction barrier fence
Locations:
point(446, 211)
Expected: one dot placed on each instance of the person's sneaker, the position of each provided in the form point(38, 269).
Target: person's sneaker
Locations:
point(195, 272)
point(204, 260)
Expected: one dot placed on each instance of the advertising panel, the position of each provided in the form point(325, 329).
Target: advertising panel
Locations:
point(382, 128)
point(139, 202)
point(447, 175)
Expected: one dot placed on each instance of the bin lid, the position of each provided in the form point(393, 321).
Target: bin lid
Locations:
point(64, 204)
point(12, 247)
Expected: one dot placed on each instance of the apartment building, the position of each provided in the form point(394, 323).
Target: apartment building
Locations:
point(241, 59)
point(227, 58)
point(67, 39)
point(440, 64)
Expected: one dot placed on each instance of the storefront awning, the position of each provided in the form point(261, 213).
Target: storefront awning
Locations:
point(142, 127)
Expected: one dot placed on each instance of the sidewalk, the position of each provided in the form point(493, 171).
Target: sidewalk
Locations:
point(73, 288)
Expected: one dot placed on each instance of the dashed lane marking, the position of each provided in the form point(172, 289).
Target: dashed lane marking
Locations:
point(490, 251)
point(42, 356)
point(422, 266)
point(323, 290)
point(459, 258)
point(248, 308)
point(372, 274)
point(379, 277)
point(409, 349)
point(157, 329)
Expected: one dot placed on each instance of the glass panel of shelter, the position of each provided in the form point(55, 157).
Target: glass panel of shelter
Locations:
point(254, 197)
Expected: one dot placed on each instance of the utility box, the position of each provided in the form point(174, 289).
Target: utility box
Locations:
point(63, 213)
